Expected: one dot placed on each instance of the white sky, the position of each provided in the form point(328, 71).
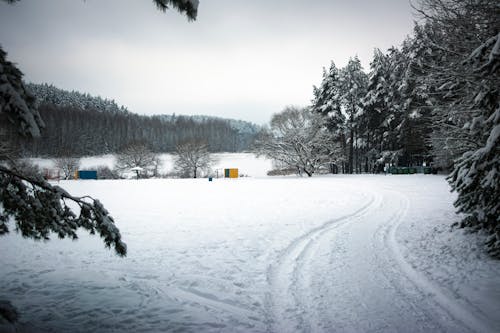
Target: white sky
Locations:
point(239, 59)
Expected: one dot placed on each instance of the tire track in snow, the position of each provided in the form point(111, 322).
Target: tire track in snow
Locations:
point(440, 297)
point(289, 303)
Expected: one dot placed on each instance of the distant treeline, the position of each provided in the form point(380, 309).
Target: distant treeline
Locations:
point(79, 124)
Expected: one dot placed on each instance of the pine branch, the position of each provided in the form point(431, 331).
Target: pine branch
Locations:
point(39, 208)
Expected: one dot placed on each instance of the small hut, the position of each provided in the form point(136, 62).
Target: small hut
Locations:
point(231, 173)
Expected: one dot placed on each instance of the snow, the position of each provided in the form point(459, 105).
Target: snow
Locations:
point(261, 254)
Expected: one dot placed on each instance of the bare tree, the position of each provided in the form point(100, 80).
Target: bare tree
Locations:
point(191, 158)
point(298, 139)
point(138, 155)
point(68, 166)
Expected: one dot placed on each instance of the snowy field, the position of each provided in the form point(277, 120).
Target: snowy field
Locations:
point(259, 254)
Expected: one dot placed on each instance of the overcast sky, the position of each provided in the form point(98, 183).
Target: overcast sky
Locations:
point(239, 59)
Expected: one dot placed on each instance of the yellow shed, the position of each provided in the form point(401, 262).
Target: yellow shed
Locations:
point(231, 173)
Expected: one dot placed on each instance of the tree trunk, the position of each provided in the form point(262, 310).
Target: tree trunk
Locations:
point(351, 153)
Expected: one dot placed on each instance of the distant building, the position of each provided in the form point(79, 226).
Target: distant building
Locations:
point(231, 173)
point(86, 174)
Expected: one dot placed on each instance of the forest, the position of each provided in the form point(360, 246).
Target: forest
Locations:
point(79, 124)
point(429, 101)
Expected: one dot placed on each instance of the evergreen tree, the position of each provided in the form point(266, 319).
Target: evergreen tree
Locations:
point(466, 104)
point(327, 102)
point(17, 104)
point(376, 104)
point(353, 84)
point(415, 128)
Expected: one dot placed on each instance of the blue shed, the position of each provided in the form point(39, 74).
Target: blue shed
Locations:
point(87, 174)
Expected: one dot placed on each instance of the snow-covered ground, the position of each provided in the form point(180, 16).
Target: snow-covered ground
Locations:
point(332, 253)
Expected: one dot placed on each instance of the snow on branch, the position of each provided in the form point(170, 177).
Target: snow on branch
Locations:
point(486, 58)
point(40, 208)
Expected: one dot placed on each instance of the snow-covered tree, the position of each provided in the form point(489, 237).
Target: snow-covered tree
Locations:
point(9, 149)
point(299, 139)
point(327, 102)
point(17, 105)
point(414, 104)
point(191, 158)
point(476, 176)
point(37, 207)
point(353, 85)
point(49, 94)
point(464, 72)
point(374, 127)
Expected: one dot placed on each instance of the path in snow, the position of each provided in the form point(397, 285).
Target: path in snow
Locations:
point(349, 275)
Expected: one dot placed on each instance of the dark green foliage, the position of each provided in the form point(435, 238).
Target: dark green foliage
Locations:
point(71, 131)
point(188, 7)
point(476, 174)
point(37, 207)
point(353, 88)
point(16, 103)
point(40, 209)
point(8, 312)
point(327, 101)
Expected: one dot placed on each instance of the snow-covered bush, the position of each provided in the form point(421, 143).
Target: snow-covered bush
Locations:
point(104, 172)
